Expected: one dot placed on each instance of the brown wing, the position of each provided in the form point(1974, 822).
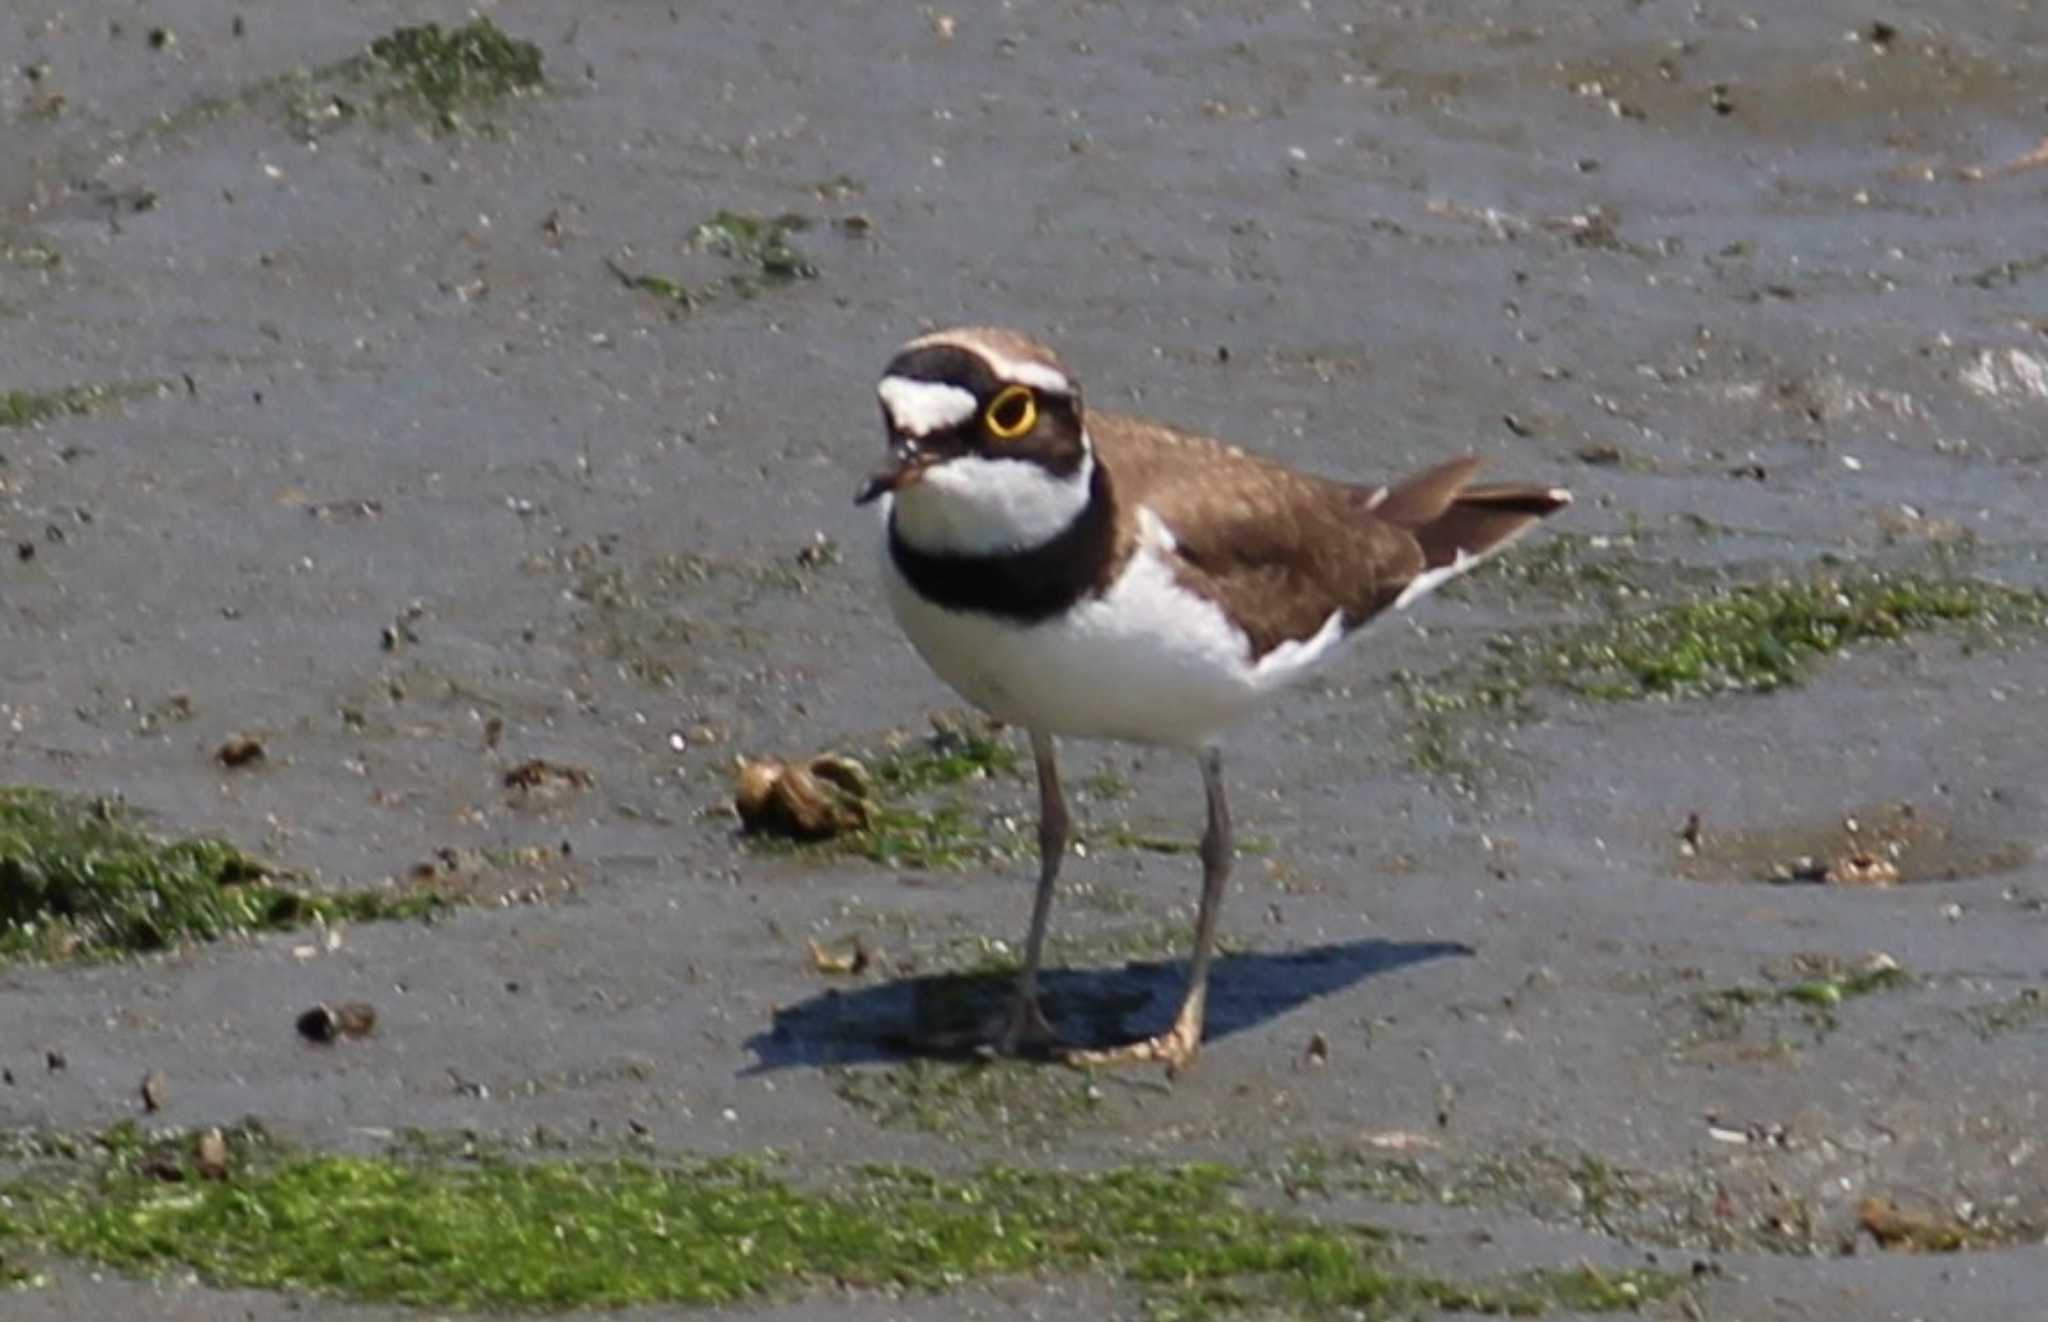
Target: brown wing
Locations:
point(1281, 550)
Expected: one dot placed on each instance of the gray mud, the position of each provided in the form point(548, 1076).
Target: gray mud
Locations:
point(400, 478)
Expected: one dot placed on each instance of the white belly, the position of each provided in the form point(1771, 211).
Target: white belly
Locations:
point(1146, 661)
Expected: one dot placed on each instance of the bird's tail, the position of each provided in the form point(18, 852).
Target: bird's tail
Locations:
point(1457, 524)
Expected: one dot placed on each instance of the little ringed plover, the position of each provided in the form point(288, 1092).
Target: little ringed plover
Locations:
point(1102, 576)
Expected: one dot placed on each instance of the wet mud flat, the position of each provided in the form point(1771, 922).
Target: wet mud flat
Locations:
point(425, 470)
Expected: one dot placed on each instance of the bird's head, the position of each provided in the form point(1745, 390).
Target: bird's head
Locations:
point(986, 442)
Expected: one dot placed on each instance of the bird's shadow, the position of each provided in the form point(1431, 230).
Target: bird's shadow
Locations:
point(931, 1015)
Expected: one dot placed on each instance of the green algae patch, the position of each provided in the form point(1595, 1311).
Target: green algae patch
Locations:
point(914, 809)
point(79, 880)
point(422, 72)
point(758, 251)
point(760, 244)
point(28, 254)
point(1830, 991)
point(447, 70)
point(1013, 1100)
point(1760, 637)
point(1813, 988)
point(1735, 638)
point(658, 285)
point(955, 751)
point(26, 408)
point(550, 1235)
point(1566, 566)
point(948, 836)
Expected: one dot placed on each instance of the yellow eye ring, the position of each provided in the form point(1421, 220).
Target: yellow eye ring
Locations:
point(1011, 413)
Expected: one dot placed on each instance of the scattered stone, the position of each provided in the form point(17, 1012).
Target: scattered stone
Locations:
point(1900, 1230)
point(1690, 834)
point(54, 1059)
point(329, 1023)
point(240, 750)
point(1598, 456)
point(539, 776)
point(819, 552)
point(154, 1090)
point(210, 1155)
point(1317, 1053)
point(1862, 869)
point(1804, 868)
point(850, 961)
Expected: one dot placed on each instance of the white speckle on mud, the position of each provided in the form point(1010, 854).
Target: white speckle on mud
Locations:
point(2007, 373)
point(1838, 397)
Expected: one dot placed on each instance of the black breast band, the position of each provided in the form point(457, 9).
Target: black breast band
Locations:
point(1026, 586)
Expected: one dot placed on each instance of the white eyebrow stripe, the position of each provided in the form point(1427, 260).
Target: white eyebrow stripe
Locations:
point(1025, 372)
point(919, 408)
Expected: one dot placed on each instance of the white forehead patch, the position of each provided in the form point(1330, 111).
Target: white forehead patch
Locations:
point(920, 408)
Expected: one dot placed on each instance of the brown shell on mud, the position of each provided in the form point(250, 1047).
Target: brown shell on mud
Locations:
point(825, 797)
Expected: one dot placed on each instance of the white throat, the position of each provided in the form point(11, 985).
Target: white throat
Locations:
point(975, 505)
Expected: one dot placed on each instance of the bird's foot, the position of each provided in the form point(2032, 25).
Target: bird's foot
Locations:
point(1176, 1048)
point(1027, 1026)
point(1020, 1030)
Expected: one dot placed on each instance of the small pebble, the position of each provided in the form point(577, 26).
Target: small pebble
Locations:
point(210, 1156)
point(239, 751)
point(328, 1023)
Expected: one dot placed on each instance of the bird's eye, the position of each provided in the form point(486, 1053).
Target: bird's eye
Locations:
point(1012, 413)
